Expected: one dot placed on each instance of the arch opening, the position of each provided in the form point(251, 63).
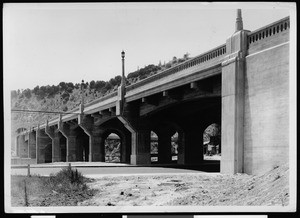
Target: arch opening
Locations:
point(113, 144)
point(212, 142)
point(165, 141)
point(154, 147)
point(174, 147)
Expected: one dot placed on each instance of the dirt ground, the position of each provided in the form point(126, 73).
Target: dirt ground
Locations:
point(203, 189)
point(195, 189)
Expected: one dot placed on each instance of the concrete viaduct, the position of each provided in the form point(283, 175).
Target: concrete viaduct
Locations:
point(243, 85)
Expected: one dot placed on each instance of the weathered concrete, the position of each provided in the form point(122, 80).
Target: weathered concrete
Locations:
point(53, 133)
point(266, 128)
point(32, 144)
point(140, 147)
point(233, 70)
point(68, 132)
point(94, 132)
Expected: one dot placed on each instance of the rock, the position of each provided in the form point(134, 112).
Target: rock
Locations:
point(110, 204)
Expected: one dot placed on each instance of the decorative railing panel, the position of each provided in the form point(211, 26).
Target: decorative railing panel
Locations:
point(270, 30)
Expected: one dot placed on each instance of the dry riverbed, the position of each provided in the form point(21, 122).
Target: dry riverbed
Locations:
point(163, 190)
point(196, 189)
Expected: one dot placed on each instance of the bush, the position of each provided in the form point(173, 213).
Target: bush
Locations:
point(67, 180)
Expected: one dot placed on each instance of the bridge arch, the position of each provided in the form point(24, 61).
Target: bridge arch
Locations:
point(113, 143)
point(153, 146)
point(116, 127)
point(212, 142)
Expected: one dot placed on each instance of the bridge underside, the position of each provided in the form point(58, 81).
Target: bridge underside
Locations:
point(178, 117)
point(189, 120)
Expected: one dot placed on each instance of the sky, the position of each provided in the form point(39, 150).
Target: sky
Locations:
point(45, 44)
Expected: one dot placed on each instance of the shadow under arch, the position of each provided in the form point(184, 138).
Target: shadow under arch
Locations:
point(170, 142)
point(48, 153)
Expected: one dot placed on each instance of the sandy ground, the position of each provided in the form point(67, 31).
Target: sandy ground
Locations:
point(192, 189)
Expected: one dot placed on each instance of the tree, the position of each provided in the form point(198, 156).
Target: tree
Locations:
point(118, 80)
point(107, 87)
point(13, 94)
point(100, 85)
point(92, 84)
point(27, 93)
point(186, 56)
point(174, 60)
point(70, 85)
point(36, 90)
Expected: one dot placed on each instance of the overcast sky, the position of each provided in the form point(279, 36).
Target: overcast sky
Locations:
point(45, 44)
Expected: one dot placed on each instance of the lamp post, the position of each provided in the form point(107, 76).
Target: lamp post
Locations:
point(123, 69)
point(82, 96)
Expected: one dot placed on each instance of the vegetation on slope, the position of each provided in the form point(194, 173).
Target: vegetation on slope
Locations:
point(66, 188)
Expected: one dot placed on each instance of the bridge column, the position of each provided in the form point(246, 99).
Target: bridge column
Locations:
point(140, 150)
point(55, 137)
point(233, 70)
point(193, 147)
point(41, 142)
point(164, 146)
point(56, 150)
point(181, 149)
point(96, 152)
point(23, 146)
point(140, 143)
point(71, 148)
point(70, 135)
point(32, 144)
point(18, 145)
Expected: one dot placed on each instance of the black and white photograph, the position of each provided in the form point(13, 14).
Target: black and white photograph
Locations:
point(150, 107)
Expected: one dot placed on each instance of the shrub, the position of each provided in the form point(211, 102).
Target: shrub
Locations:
point(67, 180)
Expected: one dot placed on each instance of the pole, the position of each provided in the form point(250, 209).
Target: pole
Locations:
point(123, 69)
point(82, 97)
point(28, 170)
